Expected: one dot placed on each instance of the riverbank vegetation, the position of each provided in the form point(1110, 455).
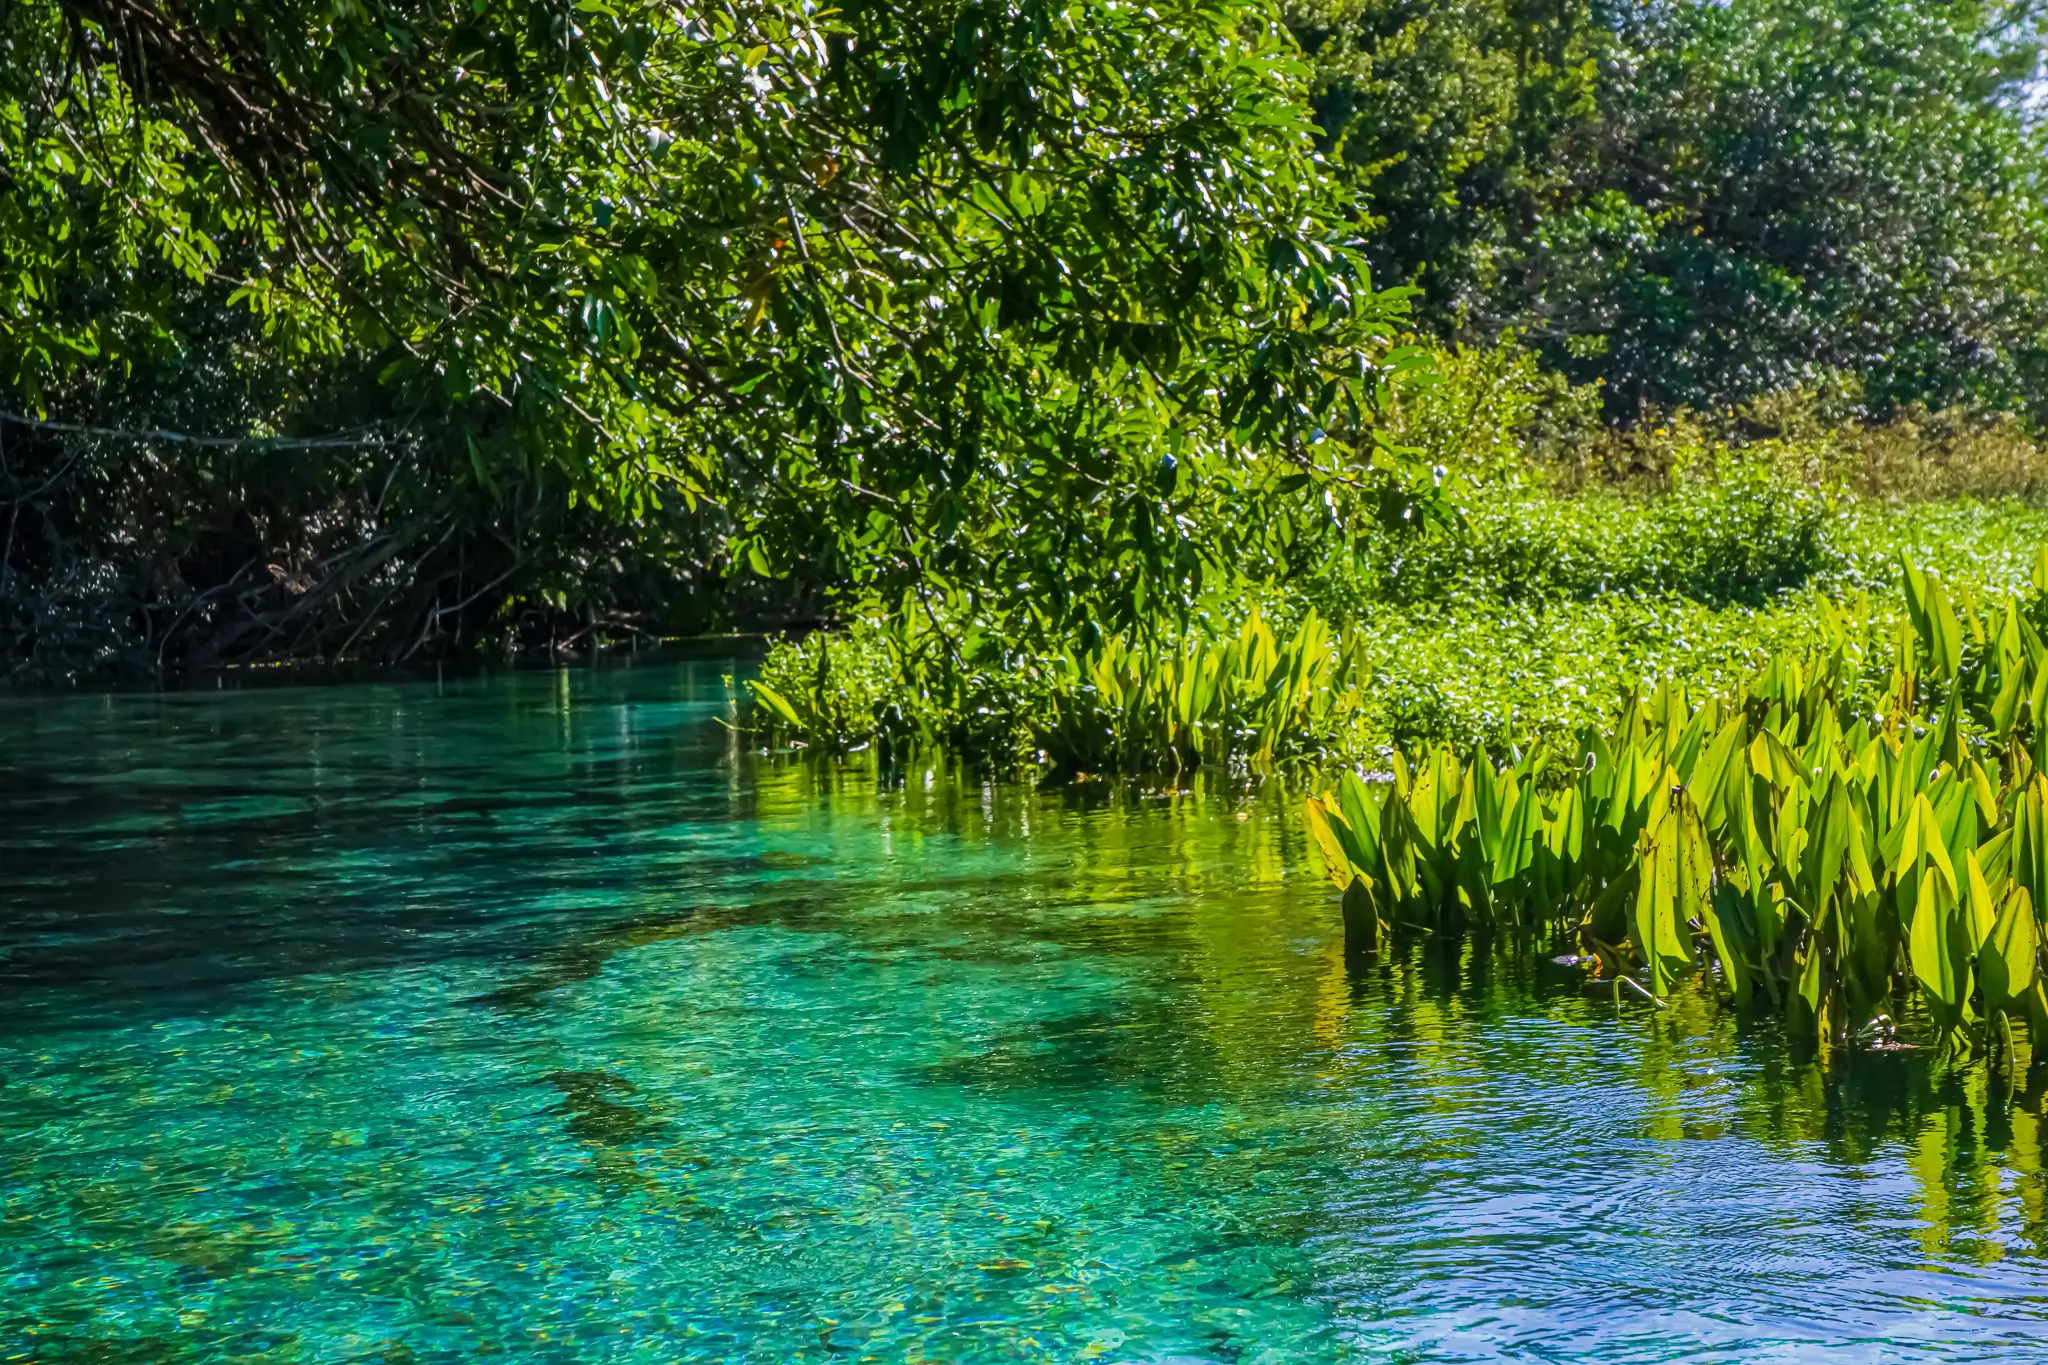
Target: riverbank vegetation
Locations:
point(1554, 587)
point(1013, 343)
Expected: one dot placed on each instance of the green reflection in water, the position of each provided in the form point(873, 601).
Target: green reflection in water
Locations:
point(531, 1018)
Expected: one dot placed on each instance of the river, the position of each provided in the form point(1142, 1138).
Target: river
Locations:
point(536, 1016)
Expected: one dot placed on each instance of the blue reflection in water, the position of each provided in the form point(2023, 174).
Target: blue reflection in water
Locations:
point(531, 1017)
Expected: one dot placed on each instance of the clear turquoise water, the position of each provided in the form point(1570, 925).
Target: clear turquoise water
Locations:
point(530, 1018)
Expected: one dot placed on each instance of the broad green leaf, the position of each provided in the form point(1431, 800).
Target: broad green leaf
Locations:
point(1658, 930)
point(1734, 939)
point(775, 702)
point(1942, 971)
point(1980, 911)
point(2009, 959)
point(1336, 862)
point(1361, 811)
point(1518, 840)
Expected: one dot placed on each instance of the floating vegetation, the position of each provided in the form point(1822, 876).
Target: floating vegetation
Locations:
point(1800, 849)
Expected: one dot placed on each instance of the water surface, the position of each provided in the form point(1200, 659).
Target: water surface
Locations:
point(533, 1017)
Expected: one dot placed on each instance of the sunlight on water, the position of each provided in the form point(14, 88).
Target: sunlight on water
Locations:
point(530, 1017)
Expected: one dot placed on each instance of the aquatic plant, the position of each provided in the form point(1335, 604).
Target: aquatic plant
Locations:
point(1251, 696)
point(1788, 841)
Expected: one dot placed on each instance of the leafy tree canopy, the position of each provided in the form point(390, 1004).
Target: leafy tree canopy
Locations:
point(1012, 294)
point(1698, 202)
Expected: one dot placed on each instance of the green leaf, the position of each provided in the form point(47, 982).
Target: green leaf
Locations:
point(1734, 939)
point(1518, 839)
point(775, 702)
point(1710, 776)
point(1362, 813)
point(1979, 910)
point(1668, 883)
point(2008, 962)
point(1337, 864)
point(1942, 971)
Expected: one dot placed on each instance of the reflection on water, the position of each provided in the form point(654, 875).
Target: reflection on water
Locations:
point(531, 1017)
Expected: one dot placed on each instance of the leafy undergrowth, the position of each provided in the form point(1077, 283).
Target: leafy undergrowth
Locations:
point(1576, 566)
point(1530, 621)
point(1603, 596)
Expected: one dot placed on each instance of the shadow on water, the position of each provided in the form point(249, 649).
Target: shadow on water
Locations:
point(157, 849)
point(581, 959)
point(594, 1116)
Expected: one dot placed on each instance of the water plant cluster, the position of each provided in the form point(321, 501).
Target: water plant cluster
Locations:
point(1131, 705)
point(1843, 850)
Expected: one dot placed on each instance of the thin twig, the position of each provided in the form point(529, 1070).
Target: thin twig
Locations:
point(187, 438)
point(13, 512)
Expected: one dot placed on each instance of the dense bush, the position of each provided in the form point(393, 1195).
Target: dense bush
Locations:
point(1743, 540)
point(1855, 836)
point(1700, 202)
point(1053, 303)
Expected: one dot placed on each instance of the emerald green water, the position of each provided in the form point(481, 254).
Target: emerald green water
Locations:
point(530, 1017)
